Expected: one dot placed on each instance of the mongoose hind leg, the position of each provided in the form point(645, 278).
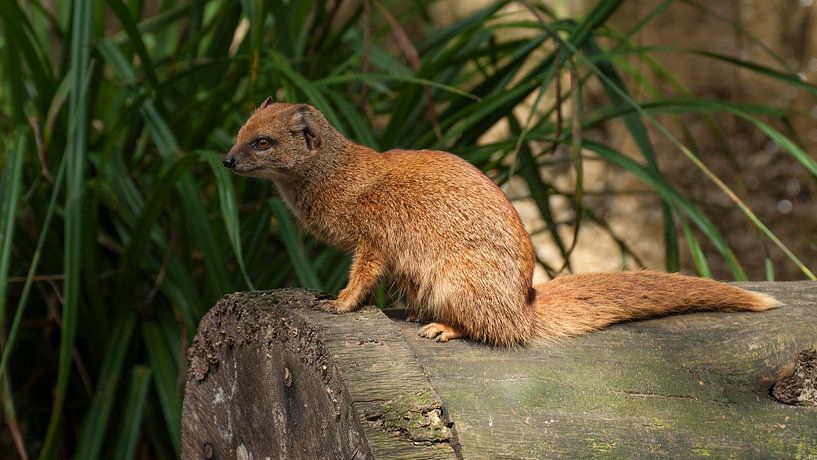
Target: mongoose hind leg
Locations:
point(439, 332)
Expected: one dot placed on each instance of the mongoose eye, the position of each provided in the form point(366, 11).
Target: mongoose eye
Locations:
point(262, 143)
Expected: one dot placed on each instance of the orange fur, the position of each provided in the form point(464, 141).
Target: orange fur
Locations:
point(447, 237)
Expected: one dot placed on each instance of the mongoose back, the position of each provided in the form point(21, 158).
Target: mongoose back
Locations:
point(447, 236)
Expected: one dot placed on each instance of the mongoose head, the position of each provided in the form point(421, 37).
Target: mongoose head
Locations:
point(277, 140)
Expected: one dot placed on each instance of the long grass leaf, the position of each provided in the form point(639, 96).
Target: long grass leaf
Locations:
point(124, 447)
point(95, 427)
point(11, 340)
point(153, 207)
point(131, 29)
point(229, 209)
point(19, 33)
point(476, 19)
point(297, 254)
point(698, 257)
point(164, 378)
point(742, 30)
point(614, 85)
point(313, 94)
point(790, 78)
point(374, 77)
point(667, 192)
point(11, 188)
point(80, 68)
point(539, 191)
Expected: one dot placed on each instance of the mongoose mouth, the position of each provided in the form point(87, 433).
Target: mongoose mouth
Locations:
point(244, 172)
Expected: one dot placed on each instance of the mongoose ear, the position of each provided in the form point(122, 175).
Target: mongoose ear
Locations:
point(302, 121)
point(267, 102)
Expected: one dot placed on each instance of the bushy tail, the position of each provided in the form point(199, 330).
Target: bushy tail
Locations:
point(576, 304)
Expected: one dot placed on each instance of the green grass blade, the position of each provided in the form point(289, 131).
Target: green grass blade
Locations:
point(9, 410)
point(539, 191)
point(476, 19)
point(695, 250)
point(15, 85)
point(229, 209)
point(613, 85)
point(160, 21)
point(769, 268)
point(95, 427)
point(80, 68)
point(312, 93)
point(595, 18)
point(127, 440)
point(11, 189)
point(165, 375)
point(297, 254)
point(376, 77)
point(131, 29)
point(786, 144)
point(11, 340)
point(361, 131)
point(741, 29)
point(790, 78)
point(668, 193)
point(154, 205)
point(18, 31)
point(749, 214)
point(282, 24)
point(679, 107)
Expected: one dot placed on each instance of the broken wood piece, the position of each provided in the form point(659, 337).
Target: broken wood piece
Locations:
point(798, 380)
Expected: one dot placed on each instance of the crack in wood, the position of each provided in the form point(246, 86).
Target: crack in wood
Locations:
point(641, 394)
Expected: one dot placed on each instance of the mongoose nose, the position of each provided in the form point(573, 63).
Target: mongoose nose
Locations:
point(229, 161)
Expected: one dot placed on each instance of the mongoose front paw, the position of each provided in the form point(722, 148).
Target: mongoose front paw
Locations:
point(440, 332)
point(336, 306)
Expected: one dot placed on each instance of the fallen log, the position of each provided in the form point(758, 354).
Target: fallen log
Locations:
point(271, 376)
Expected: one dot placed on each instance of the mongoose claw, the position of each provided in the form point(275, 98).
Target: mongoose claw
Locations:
point(439, 332)
point(335, 306)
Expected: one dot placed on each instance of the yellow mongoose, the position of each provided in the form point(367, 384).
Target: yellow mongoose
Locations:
point(447, 236)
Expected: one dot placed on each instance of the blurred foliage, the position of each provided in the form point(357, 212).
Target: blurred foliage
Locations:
point(120, 228)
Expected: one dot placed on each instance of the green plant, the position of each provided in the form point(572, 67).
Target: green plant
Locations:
point(120, 228)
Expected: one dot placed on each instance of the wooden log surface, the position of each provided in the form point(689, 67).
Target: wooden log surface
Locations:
point(271, 376)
